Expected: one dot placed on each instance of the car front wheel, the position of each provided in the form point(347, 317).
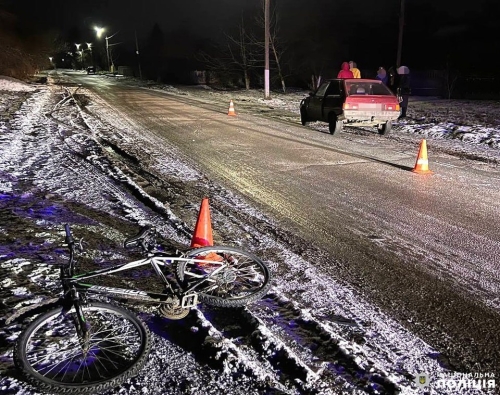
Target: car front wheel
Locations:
point(385, 128)
point(334, 124)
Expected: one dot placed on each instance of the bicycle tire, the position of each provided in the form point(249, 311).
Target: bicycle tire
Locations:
point(49, 354)
point(245, 280)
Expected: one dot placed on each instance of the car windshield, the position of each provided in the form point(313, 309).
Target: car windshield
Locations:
point(367, 88)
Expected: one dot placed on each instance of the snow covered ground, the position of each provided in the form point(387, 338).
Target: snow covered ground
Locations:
point(53, 169)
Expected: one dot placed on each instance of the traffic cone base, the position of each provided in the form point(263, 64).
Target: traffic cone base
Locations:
point(202, 235)
point(231, 109)
point(422, 164)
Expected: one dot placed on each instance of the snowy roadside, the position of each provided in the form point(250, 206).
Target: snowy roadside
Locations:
point(61, 155)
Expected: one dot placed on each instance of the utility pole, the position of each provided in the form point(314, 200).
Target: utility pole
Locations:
point(111, 65)
point(401, 26)
point(107, 51)
point(137, 52)
point(266, 50)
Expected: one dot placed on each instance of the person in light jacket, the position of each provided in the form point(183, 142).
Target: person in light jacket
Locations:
point(354, 68)
point(344, 71)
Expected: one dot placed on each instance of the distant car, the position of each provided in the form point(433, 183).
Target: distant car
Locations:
point(354, 102)
point(91, 70)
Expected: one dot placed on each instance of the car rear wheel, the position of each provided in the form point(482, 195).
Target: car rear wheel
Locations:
point(303, 117)
point(385, 128)
point(334, 124)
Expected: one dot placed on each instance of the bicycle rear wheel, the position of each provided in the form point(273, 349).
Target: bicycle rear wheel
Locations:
point(243, 279)
point(49, 351)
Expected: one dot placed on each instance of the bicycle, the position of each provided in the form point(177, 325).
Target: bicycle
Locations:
point(85, 346)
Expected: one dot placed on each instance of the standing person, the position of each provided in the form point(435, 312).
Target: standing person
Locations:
point(344, 71)
point(354, 69)
point(382, 75)
point(392, 79)
point(403, 89)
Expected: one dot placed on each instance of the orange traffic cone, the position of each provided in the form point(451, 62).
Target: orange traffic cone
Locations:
point(422, 164)
point(231, 109)
point(202, 236)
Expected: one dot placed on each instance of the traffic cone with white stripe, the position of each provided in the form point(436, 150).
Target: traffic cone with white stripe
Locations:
point(231, 109)
point(422, 164)
point(202, 236)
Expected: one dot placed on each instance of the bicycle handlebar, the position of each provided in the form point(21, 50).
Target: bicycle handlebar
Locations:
point(69, 237)
point(71, 245)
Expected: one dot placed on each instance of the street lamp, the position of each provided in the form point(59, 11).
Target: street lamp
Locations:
point(99, 31)
point(89, 47)
point(81, 56)
point(78, 52)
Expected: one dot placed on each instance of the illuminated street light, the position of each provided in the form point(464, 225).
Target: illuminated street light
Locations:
point(99, 31)
point(89, 47)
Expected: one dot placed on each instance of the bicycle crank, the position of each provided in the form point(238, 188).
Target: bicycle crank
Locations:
point(173, 310)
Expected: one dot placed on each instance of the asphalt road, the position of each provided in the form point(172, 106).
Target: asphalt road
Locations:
point(425, 248)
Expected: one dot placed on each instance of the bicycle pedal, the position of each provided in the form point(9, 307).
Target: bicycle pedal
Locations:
point(189, 300)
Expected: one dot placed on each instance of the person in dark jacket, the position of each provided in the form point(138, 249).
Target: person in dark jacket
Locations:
point(345, 72)
point(403, 90)
point(392, 79)
point(382, 75)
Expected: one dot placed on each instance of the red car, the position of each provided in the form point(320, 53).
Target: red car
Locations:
point(354, 102)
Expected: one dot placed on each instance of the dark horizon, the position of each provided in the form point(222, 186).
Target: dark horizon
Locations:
point(436, 35)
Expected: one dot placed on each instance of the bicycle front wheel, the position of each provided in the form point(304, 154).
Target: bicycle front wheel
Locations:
point(55, 359)
point(226, 276)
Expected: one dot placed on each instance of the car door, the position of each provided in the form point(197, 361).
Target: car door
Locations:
point(315, 109)
point(333, 100)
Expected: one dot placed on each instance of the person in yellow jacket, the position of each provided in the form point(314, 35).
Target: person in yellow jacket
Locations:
point(354, 68)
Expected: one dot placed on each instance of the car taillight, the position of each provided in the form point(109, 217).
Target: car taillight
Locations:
point(392, 107)
point(349, 106)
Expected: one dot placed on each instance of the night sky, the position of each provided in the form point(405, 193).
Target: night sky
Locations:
point(366, 31)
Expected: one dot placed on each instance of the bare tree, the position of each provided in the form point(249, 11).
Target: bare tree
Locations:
point(276, 44)
point(241, 53)
point(24, 55)
point(451, 76)
point(237, 56)
point(244, 51)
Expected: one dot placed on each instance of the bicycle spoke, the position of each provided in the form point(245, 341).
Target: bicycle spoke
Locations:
point(54, 351)
point(225, 276)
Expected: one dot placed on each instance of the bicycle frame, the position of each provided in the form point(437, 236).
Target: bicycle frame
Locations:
point(188, 296)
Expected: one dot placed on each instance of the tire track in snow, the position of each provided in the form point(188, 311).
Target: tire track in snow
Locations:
point(284, 341)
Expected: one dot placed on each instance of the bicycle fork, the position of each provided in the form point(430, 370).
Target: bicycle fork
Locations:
point(81, 325)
